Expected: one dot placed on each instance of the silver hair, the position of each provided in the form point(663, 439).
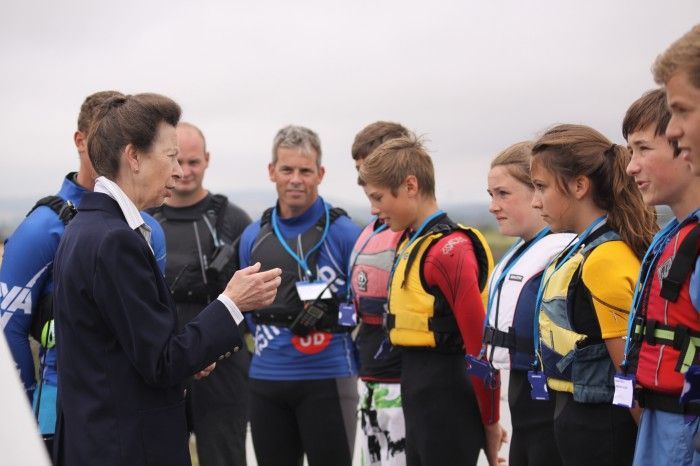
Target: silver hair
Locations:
point(297, 137)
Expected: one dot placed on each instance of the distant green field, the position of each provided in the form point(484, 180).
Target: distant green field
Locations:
point(499, 243)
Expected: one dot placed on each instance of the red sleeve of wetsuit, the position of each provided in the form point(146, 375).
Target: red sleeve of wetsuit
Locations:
point(451, 265)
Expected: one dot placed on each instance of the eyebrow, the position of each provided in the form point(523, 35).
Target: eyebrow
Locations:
point(638, 142)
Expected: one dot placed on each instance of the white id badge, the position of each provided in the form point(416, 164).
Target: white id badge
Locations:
point(308, 291)
point(624, 391)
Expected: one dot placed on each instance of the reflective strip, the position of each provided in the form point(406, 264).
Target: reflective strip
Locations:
point(382, 260)
point(687, 357)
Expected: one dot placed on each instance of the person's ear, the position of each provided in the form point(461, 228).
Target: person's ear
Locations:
point(580, 187)
point(131, 157)
point(80, 140)
point(411, 184)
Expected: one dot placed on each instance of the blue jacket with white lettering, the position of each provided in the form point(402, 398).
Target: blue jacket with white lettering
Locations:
point(26, 277)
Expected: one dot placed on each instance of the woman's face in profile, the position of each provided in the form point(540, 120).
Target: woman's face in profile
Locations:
point(159, 168)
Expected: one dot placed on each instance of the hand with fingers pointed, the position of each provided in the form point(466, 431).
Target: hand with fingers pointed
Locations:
point(251, 289)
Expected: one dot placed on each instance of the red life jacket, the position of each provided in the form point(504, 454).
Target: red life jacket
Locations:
point(371, 270)
point(668, 325)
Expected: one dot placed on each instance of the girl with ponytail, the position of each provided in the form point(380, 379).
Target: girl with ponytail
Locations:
point(586, 292)
point(510, 312)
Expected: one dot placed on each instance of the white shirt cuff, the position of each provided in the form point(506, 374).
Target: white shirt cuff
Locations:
point(232, 308)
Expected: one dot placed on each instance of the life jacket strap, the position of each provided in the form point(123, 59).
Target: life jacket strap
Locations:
point(496, 337)
point(664, 402)
point(682, 265)
point(679, 337)
point(372, 319)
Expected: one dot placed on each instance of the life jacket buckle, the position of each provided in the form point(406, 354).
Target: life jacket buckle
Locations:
point(650, 331)
point(488, 335)
point(639, 329)
point(388, 321)
point(681, 337)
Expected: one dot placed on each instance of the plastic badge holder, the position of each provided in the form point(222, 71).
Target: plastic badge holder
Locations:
point(538, 382)
point(478, 367)
point(346, 315)
point(624, 391)
point(312, 290)
point(691, 385)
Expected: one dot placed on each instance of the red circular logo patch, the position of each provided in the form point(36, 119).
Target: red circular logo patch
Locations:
point(313, 343)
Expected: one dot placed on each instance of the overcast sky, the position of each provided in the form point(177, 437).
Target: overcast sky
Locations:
point(472, 76)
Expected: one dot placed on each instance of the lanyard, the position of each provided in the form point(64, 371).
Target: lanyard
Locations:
point(414, 237)
point(656, 247)
point(518, 251)
point(302, 261)
point(381, 228)
point(545, 281)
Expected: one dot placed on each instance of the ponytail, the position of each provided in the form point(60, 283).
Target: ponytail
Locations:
point(627, 213)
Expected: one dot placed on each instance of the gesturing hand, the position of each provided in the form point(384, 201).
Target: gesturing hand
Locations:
point(205, 372)
point(250, 289)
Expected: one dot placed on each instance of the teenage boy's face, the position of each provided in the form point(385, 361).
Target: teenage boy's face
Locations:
point(554, 205)
point(661, 178)
point(684, 102)
point(393, 210)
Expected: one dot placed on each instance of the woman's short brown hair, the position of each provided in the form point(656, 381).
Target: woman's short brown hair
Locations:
point(123, 120)
point(392, 162)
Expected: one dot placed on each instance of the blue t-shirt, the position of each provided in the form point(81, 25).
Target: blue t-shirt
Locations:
point(26, 277)
point(281, 355)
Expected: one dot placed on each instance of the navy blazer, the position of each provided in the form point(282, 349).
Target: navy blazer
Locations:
point(121, 359)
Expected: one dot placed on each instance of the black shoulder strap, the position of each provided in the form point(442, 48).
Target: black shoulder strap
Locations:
point(333, 214)
point(64, 209)
point(217, 206)
point(481, 257)
point(682, 265)
point(266, 217)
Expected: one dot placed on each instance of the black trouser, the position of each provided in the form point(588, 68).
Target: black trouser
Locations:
point(316, 417)
point(593, 433)
point(532, 442)
point(217, 405)
point(443, 422)
point(217, 408)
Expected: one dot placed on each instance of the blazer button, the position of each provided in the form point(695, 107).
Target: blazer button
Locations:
point(228, 354)
point(236, 349)
point(221, 357)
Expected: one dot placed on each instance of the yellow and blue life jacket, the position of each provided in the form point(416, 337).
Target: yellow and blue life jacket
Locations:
point(573, 362)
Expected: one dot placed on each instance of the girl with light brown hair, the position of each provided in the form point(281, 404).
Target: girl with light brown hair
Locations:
point(586, 292)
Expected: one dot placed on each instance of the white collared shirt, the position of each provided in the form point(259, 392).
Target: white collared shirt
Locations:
point(135, 221)
point(131, 213)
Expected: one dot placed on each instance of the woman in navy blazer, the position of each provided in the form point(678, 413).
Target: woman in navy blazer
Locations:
point(122, 360)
